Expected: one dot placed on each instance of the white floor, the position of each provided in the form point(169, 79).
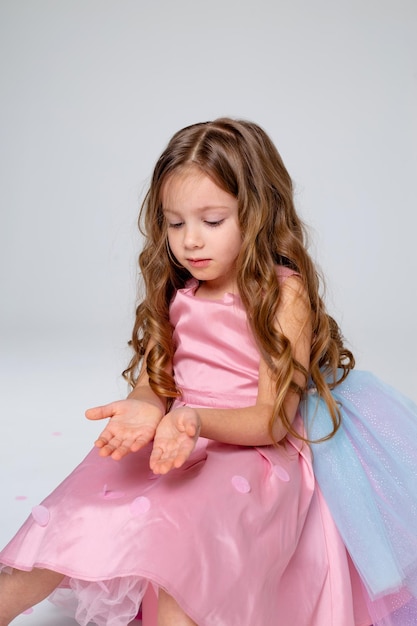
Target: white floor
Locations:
point(45, 614)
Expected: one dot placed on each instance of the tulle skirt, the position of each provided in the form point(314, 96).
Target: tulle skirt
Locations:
point(367, 473)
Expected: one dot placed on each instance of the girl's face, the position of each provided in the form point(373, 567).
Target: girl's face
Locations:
point(203, 230)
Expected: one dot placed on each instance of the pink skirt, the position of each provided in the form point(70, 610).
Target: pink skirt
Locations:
point(237, 536)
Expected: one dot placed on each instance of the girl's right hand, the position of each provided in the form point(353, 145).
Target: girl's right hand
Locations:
point(132, 426)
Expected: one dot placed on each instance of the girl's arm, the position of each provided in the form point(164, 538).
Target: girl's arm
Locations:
point(246, 426)
point(133, 421)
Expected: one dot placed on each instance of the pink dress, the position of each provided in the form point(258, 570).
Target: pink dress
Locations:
point(239, 535)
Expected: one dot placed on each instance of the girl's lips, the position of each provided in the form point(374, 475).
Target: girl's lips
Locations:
point(199, 262)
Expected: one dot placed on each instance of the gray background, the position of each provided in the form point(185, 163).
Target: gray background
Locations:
point(91, 91)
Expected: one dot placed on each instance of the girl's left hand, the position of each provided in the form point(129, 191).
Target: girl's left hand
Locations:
point(175, 439)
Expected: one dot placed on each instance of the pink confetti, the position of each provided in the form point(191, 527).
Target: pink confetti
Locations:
point(27, 612)
point(109, 494)
point(41, 515)
point(21, 498)
point(113, 495)
point(57, 434)
point(281, 473)
point(140, 506)
point(241, 484)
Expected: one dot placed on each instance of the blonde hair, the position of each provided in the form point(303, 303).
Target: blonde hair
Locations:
point(242, 160)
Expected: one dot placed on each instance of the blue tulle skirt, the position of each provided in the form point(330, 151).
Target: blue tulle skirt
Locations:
point(368, 475)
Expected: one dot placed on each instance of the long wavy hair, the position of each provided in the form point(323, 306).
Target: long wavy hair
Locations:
point(242, 160)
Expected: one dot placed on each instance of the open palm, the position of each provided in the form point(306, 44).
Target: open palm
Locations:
point(175, 439)
point(132, 426)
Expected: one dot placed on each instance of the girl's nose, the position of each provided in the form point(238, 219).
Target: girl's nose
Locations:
point(192, 238)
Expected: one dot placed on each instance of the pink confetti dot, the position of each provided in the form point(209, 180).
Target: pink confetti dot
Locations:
point(21, 498)
point(113, 495)
point(140, 506)
point(241, 484)
point(41, 515)
point(27, 612)
point(281, 473)
point(57, 434)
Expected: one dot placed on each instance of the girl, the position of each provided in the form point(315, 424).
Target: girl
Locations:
point(238, 374)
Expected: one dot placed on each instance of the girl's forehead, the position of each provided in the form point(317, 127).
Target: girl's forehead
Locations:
point(181, 178)
point(191, 187)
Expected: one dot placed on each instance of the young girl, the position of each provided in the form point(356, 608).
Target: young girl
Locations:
point(239, 378)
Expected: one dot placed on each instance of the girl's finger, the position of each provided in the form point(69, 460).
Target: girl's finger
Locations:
point(101, 412)
point(139, 443)
point(156, 455)
point(103, 439)
point(120, 452)
point(190, 429)
point(180, 459)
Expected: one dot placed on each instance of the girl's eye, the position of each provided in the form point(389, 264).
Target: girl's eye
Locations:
point(175, 225)
point(214, 224)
